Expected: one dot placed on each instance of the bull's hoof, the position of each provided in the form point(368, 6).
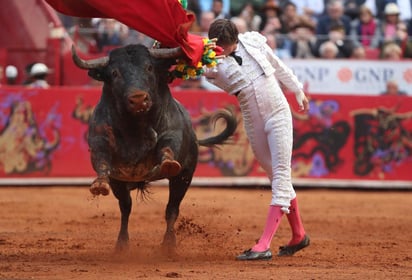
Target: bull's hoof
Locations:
point(169, 252)
point(100, 186)
point(122, 246)
point(170, 168)
point(168, 249)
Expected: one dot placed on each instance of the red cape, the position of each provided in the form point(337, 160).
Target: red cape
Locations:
point(163, 20)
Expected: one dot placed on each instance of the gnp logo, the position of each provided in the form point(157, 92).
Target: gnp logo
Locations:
point(407, 75)
point(345, 74)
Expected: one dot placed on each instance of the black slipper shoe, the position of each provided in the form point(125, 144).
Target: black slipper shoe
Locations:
point(292, 249)
point(250, 255)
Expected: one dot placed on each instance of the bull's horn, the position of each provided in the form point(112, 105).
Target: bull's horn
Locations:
point(89, 64)
point(166, 53)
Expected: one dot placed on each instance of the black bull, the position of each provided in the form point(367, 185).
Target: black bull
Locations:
point(139, 133)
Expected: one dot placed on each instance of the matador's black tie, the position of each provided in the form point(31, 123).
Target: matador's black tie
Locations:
point(237, 58)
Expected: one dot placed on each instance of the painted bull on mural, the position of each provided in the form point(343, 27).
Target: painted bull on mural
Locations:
point(139, 133)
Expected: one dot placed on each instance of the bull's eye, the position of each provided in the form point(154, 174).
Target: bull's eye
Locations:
point(149, 68)
point(115, 73)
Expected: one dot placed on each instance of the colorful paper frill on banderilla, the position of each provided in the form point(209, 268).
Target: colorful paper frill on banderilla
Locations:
point(210, 55)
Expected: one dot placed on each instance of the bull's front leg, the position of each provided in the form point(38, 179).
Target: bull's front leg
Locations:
point(169, 166)
point(101, 185)
point(122, 193)
point(101, 142)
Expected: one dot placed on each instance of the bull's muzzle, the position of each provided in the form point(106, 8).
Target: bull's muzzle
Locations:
point(139, 101)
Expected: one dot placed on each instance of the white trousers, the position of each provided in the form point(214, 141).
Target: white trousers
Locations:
point(268, 123)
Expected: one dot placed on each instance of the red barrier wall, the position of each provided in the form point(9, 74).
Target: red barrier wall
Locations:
point(342, 139)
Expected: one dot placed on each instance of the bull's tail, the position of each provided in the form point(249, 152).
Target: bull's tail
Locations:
point(221, 138)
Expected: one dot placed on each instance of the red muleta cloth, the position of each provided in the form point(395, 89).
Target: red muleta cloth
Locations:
point(163, 20)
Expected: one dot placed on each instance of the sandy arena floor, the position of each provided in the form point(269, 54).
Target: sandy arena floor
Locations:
point(63, 233)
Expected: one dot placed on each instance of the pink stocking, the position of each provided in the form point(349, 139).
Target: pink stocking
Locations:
point(272, 224)
point(295, 222)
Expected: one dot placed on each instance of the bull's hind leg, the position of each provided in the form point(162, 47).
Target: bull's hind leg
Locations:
point(177, 189)
point(122, 193)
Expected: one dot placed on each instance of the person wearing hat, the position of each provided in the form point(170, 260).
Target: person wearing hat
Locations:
point(11, 74)
point(387, 27)
point(38, 74)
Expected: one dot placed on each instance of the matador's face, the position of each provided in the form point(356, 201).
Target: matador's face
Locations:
point(228, 49)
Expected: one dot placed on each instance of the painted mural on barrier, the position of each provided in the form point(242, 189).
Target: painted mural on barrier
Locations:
point(27, 141)
point(319, 138)
point(43, 134)
point(382, 141)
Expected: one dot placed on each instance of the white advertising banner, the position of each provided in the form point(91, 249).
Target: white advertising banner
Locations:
point(366, 77)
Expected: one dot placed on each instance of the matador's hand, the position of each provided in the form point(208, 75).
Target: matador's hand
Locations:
point(302, 100)
point(304, 107)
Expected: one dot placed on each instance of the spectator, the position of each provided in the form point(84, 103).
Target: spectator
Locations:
point(217, 9)
point(337, 36)
point(253, 20)
point(391, 51)
point(271, 10)
point(358, 52)
point(195, 7)
point(310, 8)
point(27, 70)
point(136, 37)
point(11, 74)
point(392, 88)
point(39, 73)
point(403, 40)
point(303, 40)
point(377, 7)
point(352, 8)
point(328, 50)
point(272, 26)
point(386, 30)
point(282, 51)
point(85, 34)
point(111, 33)
point(289, 18)
point(365, 28)
point(236, 6)
point(207, 5)
point(240, 24)
point(334, 14)
point(206, 19)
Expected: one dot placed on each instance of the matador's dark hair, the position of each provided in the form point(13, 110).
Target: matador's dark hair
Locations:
point(225, 31)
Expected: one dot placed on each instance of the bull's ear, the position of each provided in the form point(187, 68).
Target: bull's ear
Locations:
point(96, 74)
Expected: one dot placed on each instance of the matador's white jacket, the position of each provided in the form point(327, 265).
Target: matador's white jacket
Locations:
point(265, 110)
